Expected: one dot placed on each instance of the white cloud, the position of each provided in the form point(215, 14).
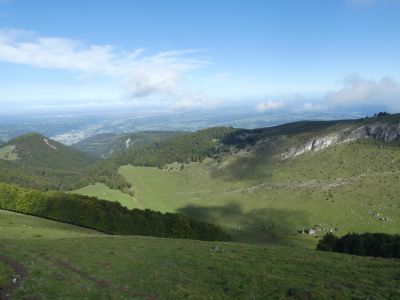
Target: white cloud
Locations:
point(360, 91)
point(269, 105)
point(140, 75)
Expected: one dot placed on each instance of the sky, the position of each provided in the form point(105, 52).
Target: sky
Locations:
point(309, 55)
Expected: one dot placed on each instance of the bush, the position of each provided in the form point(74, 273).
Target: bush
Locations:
point(366, 244)
point(327, 243)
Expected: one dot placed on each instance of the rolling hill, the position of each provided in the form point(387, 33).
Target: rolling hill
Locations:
point(37, 150)
point(287, 184)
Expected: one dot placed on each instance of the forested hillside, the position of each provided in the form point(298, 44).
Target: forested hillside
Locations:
point(35, 161)
point(188, 147)
point(105, 145)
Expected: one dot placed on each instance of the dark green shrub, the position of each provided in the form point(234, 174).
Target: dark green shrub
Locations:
point(327, 243)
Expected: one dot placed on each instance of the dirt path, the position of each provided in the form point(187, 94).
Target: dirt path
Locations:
point(20, 273)
point(100, 283)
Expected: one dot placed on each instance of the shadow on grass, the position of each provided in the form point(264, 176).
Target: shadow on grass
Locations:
point(258, 225)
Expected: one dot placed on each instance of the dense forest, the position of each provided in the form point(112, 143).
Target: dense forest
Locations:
point(184, 148)
point(104, 216)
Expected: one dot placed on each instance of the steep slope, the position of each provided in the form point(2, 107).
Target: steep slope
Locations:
point(37, 150)
point(105, 145)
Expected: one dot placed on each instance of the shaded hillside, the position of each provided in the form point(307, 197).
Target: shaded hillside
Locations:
point(105, 145)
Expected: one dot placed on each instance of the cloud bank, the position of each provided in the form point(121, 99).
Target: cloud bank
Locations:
point(140, 75)
point(358, 91)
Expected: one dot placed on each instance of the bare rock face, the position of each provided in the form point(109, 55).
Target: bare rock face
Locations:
point(379, 131)
point(383, 132)
point(312, 145)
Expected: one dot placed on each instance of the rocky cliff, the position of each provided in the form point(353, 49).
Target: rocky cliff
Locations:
point(383, 132)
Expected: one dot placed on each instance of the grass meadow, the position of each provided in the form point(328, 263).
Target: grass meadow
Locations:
point(68, 262)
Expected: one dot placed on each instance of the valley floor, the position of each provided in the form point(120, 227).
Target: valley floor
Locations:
point(68, 262)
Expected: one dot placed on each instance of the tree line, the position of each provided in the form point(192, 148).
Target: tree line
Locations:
point(104, 216)
point(365, 244)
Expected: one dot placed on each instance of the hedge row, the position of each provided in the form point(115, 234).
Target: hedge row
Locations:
point(104, 216)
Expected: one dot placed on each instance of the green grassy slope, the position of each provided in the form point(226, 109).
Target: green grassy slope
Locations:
point(8, 153)
point(349, 187)
point(259, 197)
point(65, 262)
point(101, 191)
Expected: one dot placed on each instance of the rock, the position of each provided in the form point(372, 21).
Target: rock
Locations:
point(216, 249)
point(16, 278)
point(311, 231)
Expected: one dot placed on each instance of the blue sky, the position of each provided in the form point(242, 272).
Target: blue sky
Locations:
point(309, 55)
